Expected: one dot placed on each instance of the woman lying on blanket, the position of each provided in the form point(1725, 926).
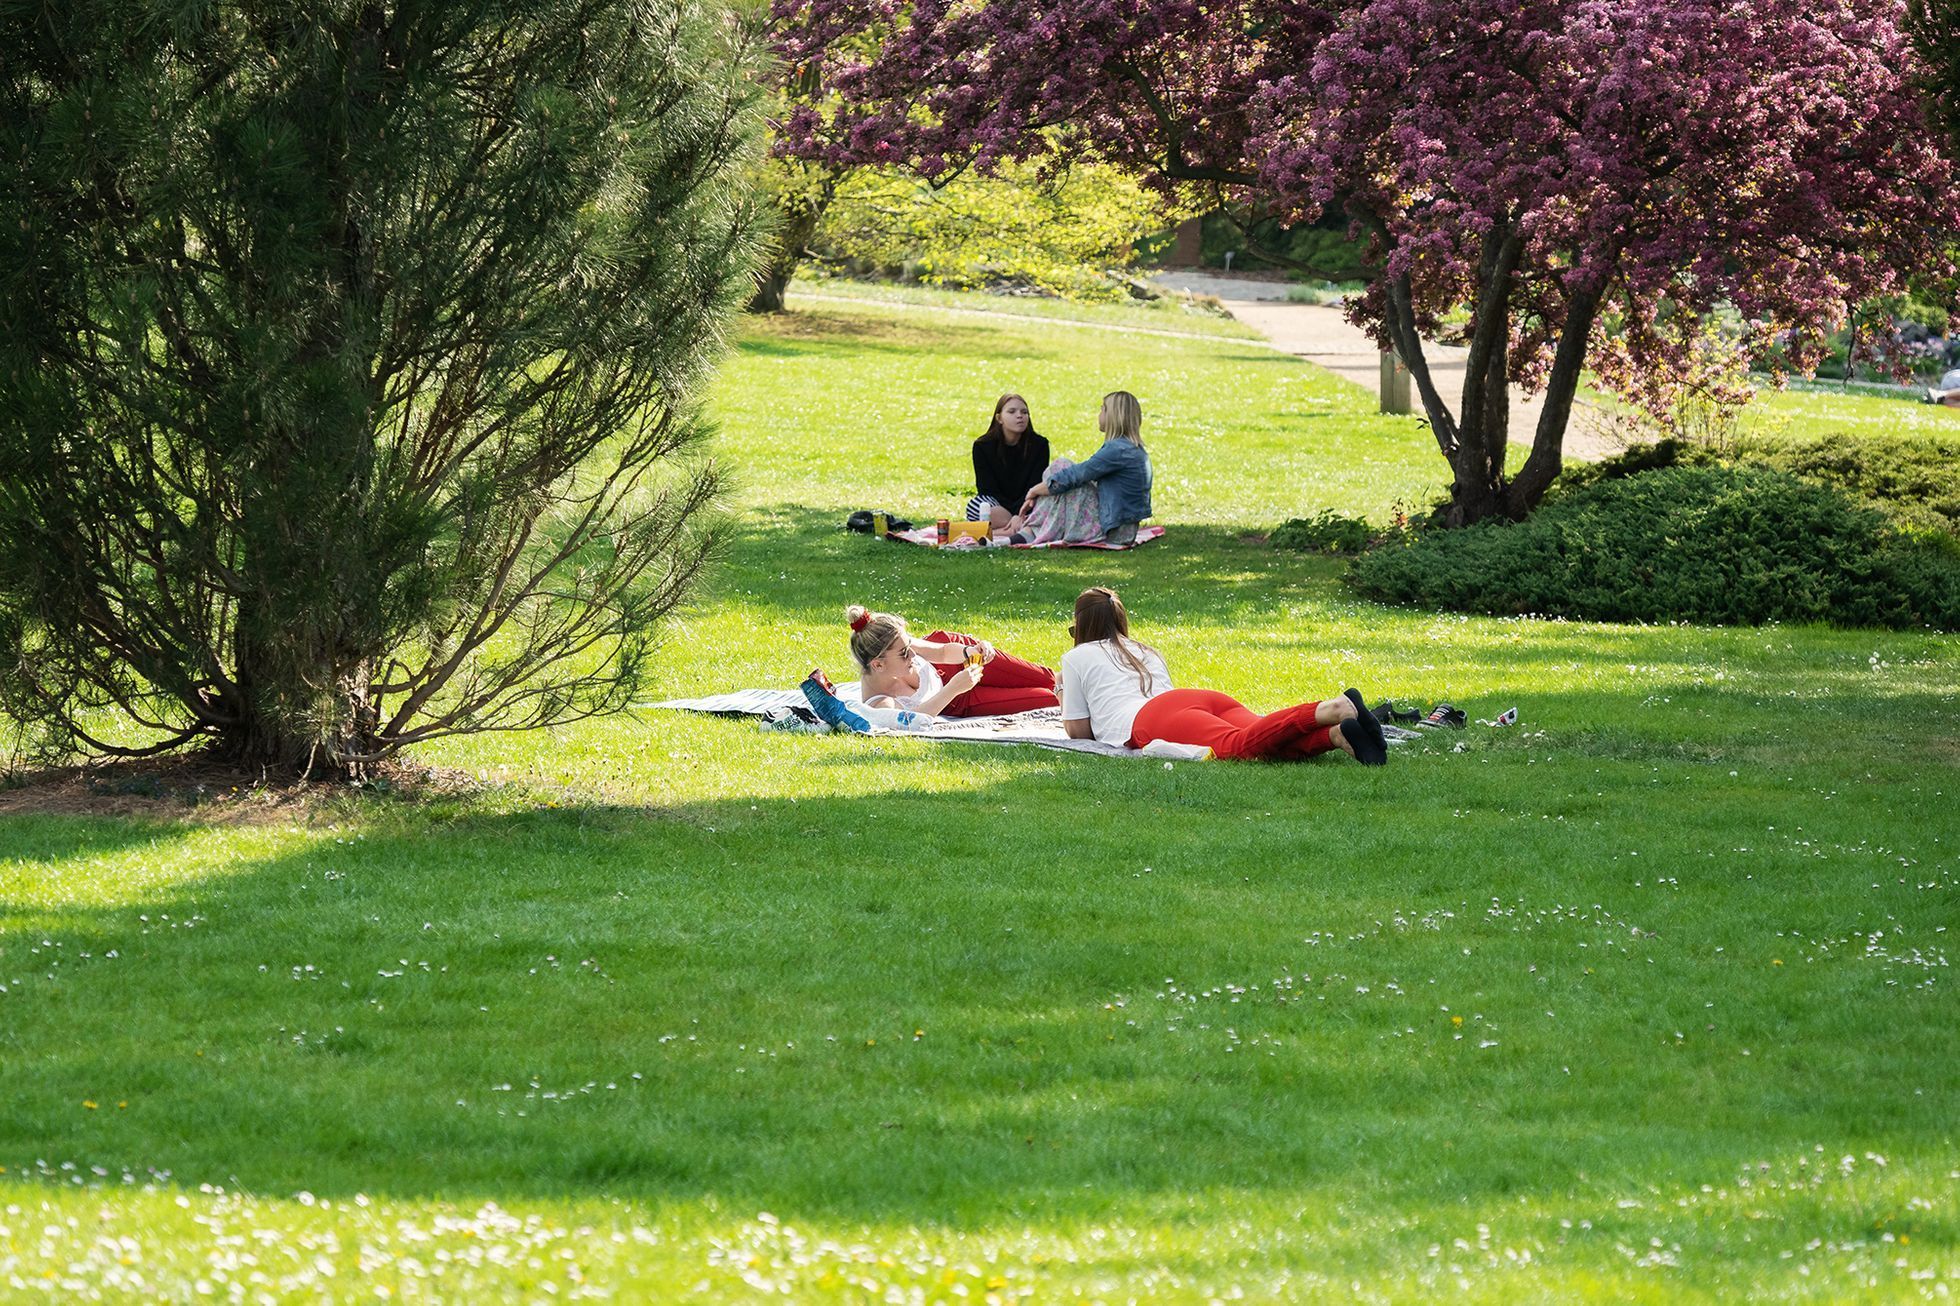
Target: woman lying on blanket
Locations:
point(1101, 500)
point(1119, 691)
point(938, 675)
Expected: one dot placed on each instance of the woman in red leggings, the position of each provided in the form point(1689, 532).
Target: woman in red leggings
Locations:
point(935, 676)
point(1119, 691)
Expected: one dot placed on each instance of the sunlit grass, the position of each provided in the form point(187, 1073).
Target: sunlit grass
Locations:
point(1648, 997)
point(1169, 312)
point(1813, 412)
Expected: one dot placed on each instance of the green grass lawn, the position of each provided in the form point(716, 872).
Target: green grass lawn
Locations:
point(1648, 998)
point(1174, 313)
point(1818, 411)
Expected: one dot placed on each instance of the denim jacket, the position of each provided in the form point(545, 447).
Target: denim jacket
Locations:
point(1121, 471)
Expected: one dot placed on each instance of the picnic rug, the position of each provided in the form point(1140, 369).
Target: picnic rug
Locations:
point(789, 710)
point(929, 537)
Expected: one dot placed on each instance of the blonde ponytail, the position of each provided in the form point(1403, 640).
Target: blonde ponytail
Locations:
point(871, 633)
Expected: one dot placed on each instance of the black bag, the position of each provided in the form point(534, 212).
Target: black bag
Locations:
point(860, 521)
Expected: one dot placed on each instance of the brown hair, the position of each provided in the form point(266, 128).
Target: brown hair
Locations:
point(993, 427)
point(871, 633)
point(1099, 615)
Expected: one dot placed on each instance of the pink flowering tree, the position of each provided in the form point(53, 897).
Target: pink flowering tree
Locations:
point(1590, 181)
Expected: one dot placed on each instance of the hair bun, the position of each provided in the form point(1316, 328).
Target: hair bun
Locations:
point(858, 616)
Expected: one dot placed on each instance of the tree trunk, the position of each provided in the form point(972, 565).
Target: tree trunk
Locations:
point(298, 712)
point(1547, 457)
point(305, 635)
point(771, 283)
point(801, 215)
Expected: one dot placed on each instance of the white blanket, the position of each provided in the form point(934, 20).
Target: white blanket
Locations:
point(1041, 727)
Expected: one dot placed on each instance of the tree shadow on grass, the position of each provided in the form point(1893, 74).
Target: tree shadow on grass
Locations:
point(820, 334)
point(797, 566)
point(938, 1006)
point(1194, 572)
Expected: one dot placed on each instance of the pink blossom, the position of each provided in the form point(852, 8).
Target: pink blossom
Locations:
point(1593, 179)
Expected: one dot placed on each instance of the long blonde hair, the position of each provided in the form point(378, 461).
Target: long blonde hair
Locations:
point(1121, 417)
point(871, 633)
point(1099, 616)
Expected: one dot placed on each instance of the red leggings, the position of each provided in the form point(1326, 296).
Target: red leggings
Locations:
point(1229, 728)
point(1011, 684)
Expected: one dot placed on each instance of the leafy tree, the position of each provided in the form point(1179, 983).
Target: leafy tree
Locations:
point(1552, 166)
point(347, 361)
point(800, 189)
point(1060, 233)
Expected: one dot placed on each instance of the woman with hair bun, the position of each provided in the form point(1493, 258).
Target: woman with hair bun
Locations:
point(1119, 691)
point(942, 674)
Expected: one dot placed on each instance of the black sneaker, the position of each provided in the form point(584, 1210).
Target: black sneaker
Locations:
point(1444, 716)
point(1369, 749)
point(1387, 713)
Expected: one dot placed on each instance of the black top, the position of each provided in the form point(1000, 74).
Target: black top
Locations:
point(1008, 471)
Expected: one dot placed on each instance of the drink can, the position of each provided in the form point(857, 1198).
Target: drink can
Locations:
point(945, 529)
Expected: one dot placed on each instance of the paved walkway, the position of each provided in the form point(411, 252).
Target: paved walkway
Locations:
point(1321, 334)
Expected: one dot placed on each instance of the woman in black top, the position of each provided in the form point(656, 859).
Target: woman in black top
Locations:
point(1007, 462)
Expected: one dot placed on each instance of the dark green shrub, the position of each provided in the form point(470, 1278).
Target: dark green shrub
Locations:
point(1324, 532)
point(1917, 482)
point(1632, 461)
point(1731, 545)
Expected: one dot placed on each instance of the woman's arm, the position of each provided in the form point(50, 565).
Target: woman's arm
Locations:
point(987, 478)
point(955, 685)
point(1098, 465)
point(1078, 726)
point(952, 653)
point(949, 654)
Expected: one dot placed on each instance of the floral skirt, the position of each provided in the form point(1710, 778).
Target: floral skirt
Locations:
point(1071, 517)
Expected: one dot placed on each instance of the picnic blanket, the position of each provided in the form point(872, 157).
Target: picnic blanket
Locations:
point(929, 536)
point(1041, 727)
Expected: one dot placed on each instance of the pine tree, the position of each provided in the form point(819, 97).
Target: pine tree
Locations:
point(349, 355)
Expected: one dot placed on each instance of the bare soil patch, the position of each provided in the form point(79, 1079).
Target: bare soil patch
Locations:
point(204, 790)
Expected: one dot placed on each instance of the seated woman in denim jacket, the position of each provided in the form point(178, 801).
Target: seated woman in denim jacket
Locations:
point(1103, 499)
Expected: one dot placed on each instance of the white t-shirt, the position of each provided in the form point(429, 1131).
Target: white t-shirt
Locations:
point(1099, 685)
point(929, 684)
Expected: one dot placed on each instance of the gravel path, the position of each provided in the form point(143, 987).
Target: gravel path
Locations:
point(1323, 336)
